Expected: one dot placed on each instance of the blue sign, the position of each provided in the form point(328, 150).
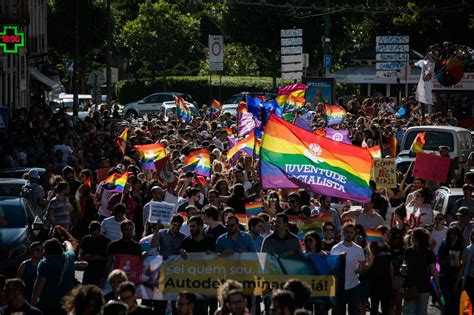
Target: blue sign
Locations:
point(3, 119)
point(327, 61)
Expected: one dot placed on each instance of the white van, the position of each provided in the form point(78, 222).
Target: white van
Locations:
point(457, 139)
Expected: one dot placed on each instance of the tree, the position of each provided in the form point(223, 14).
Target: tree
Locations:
point(160, 37)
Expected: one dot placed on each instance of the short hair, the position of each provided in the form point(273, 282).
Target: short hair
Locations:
point(212, 212)
point(17, 283)
point(348, 225)
point(119, 208)
point(301, 291)
point(94, 226)
point(177, 218)
point(34, 244)
point(67, 170)
point(328, 223)
point(61, 186)
point(285, 300)
point(294, 195)
point(191, 297)
point(228, 209)
point(117, 275)
point(192, 191)
point(125, 223)
point(253, 221)
point(127, 286)
point(196, 219)
point(114, 308)
point(282, 216)
point(265, 217)
point(189, 208)
point(53, 247)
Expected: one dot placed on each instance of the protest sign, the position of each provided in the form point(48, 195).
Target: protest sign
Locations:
point(385, 172)
point(161, 211)
point(132, 265)
point(431, 167)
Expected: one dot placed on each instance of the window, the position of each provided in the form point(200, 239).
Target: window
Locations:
point(14, 215)
point(433, 139)
point(439, 203)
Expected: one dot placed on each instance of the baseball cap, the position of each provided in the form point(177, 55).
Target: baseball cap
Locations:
point(33, 173)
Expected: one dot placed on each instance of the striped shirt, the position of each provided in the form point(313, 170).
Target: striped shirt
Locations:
point(61, 210)
point(111, 228)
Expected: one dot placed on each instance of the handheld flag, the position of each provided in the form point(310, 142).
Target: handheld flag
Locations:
point(122, 141)
point(291, 97)
point(392, 146)
point(229, 131)
point(374, 236)
point(338, 135)
point(199, 162)
point(182, 111)
point(375, 152)
point(149, 153)
point(335, 114)
point(216, 108)
point(291, 157)
point(252, 208)
point(116, 182)
point(417, 145)
point(247, 122)
point(245, 145)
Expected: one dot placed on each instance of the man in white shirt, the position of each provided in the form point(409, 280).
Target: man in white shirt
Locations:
point(355, 263)
point(367, 217)
point(111, 226)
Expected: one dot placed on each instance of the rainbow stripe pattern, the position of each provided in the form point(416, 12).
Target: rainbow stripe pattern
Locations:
point(417, 145)
point(182, 110)
point(252, 208)
point(291, 97)
point(245, 145)
point(116, 182)
point(229, 131)
point(149, 154)
point(375, 152)
point(335, 114)
point(198, 161)
point(374, 236)
point(392, 146)
point(291, 157)
point(122, 141)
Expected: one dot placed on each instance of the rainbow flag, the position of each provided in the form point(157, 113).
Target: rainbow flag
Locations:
point(216, 108)
point(122, 141)
point(291, 157)
point(374, 236)
point(417, 145)
point(229, 131)
point(392, 146)
point(149, 153)
point(252, 208)
point(375, 152)
point(116, 182)
point(245, 145)
point(199, 162)
point(182, 110)
point(335, 114)
point(291, 97)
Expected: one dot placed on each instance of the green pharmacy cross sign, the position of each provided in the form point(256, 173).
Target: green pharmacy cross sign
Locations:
point(11, 39)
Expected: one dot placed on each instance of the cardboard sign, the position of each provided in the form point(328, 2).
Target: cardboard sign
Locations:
point(161, 211)
point(431, 167)
point(385, 172)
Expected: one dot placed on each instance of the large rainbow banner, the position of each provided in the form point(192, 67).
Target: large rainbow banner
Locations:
point(292, 157)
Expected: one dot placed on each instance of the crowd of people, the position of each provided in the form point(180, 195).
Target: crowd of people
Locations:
point(88, 225)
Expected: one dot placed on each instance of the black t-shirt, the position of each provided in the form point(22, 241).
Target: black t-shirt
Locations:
point(191, 245)
point(216, 232)
point(26, 309)
point(380, 271)
point(141, 310)
point(418, 274)
point(124, 247)
point(96, 246)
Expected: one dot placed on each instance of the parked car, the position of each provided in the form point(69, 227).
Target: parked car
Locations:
point(445, 199)
point(167, 107)
point(230, 108)
point(11, 186)
point(152, 104)
point(21, 227)
point(457, 139)
point(237, 98)
point(18, 172)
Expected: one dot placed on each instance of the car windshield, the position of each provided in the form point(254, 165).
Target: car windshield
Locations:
point(10, 189)
point(451, 202)
point(433, 139)
point(14, 216)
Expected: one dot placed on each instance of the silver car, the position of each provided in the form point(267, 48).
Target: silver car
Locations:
point(152, 104)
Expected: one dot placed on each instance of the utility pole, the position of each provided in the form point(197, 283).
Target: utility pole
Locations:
point(75, 73)
point(108, 56)
point(327, 33)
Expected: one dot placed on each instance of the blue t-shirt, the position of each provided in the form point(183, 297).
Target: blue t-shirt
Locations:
point(51, 268)
point(244, 243)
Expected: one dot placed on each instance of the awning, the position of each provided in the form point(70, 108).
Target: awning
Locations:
point(48, 82)
point(363, 74)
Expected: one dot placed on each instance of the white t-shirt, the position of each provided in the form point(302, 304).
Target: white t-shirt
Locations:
point(419, 216)
point(111, 228)
point(438, 237)
point(354, 255)
point(370, 221)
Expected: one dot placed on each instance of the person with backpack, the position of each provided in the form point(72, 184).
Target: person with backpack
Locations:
point(34, 192)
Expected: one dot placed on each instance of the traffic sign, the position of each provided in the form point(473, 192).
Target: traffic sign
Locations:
point(3, 119)
point(327, 61)
point(292, 50)
point(389, 65)
point(216, 53)
point(297, 32)
point(404, 39)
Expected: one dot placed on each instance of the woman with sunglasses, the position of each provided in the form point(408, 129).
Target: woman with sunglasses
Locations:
point(27, 269)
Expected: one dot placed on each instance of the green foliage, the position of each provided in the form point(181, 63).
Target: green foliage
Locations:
point(199, 87)
point(160, 37)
